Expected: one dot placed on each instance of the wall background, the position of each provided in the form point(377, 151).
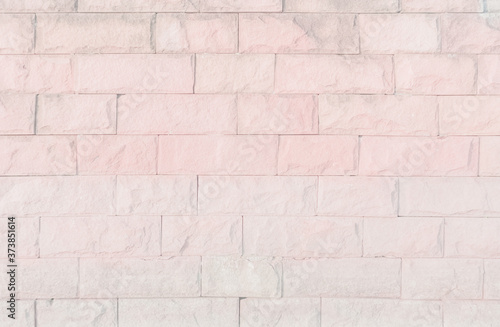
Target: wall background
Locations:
point(251, 163)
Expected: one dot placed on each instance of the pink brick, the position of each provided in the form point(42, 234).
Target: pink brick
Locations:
point(217, 33)
point(355, 6)
point(234, 73)
point(434, 279)
point(37, 155)
point(116, 154)
point(326, 155)
point(488, 74)
point(18, 35)
point(419, 156)
point(492, 279)
point(435, 74)
point(492, 6)
point(471, 33)
point(399, 33)
point(25, 315)
point(489, 162)
point(76, 114)
point(302, 237)
point(138, 6)
point(36, 74)
point(403, 237)
point(57, 195)
point(218, 155)
point(357, 196)
point(449, 196)
point(378, 115)
point(37, 5)
point(17, 114)
point(201, 311)
point(61, 313)
point(241, 277)
point(380, 312)
point(333, 74)
point(135, 73)
point(469, 115)
point(138, 278)
point(472, 237)
point(94, 33)
point(442, 6)
point(342, 277)
point(100, 236)
point(157, 195)
point(277, 114)
point(195, 235)
point(280, 312)
point(298, 33)
point(27, 234)
point(469, 313)
point(45, 279)
point(240, 5)
point(177, 114)
point(260, 195)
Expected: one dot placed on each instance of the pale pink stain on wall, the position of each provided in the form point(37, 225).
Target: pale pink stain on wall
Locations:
point(251, 163)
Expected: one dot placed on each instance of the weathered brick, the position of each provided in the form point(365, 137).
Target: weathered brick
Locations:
point(18, 34)
point(17, 114)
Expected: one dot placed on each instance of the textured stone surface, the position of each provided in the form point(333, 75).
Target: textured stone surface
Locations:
point(62, 313)
point(19, 34)
point(442, 279)
point(38, 5)
point(158, 195)
point(302, 236)
point(179, 312)
point(94, 33)
point(469, 313)
point(380, 313)
point(277, 114)
point(54, 155)
point(419, 156)
point(180, 33)
point(116, 154)
point(27, 235)
point(399, 33)
point(234, 73)
point(357, 196)
point(333, 74)
point(341, 277)
point(36, 74)
point(488, 74)
point(134, 73)
point(241, 277)
point(137, 5)
point(57, 195)
point(194, 235)
point(100, 236)
point(25, 315)
point(438, 74)
point(262, 195)
point(467, 237)
point(442, 5)
point(240, 5)
point(492, 279)
point(403, 237)
point(377, 115)
point(139, 278)
point(17, 113)
point(298, 33)
point(492, 5)
point(471, 33)
point(76, 114)
point(177, 114)
point(341, 6)
point(218, 155)
point(280, 312)
point(469, 115)
point(327, 155)
point(449, 196)
point(490, 159)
